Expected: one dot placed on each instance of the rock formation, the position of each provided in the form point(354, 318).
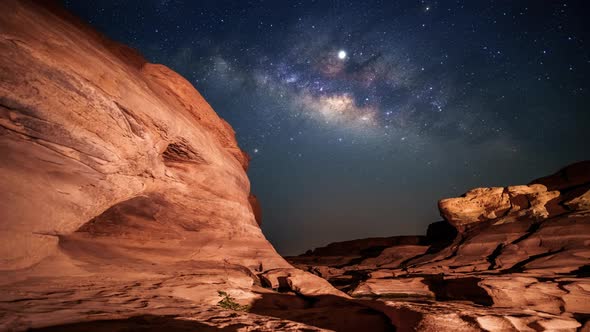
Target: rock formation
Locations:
point(125, 205)
point(101, 149)
point(520, 255)
point(123, 193)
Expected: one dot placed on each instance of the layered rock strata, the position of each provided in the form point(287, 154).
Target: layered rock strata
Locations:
point(521, 252)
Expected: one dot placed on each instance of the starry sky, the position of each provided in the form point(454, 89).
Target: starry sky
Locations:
point(360, 115)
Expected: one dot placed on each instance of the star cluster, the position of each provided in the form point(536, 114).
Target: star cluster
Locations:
point(360, 115)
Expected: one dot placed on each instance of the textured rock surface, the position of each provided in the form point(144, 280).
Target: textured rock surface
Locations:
point(85, 135)
point(125, 206)
point(146, 305)
point(124, 195)
point(129, 161)
point(298, 281)
point(500, 204)
point(518, 261)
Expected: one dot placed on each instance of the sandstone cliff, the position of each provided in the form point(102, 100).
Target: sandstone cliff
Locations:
point(103, 149)
point(123, 192)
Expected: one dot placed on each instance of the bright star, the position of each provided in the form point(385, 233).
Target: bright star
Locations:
point(341, 55)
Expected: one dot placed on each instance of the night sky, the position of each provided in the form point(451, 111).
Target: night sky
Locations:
point(360, 115)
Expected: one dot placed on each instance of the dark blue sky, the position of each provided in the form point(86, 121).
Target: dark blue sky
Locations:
point(360, 115)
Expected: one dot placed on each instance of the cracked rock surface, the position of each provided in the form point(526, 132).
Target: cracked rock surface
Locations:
point(514, 259)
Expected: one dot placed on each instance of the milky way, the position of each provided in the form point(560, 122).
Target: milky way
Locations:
point(360, 115)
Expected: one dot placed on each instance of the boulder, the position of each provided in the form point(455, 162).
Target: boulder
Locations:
point(501, 204)
point(298, 281)
point(393, 288)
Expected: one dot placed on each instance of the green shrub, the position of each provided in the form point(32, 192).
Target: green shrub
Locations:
point(228, 302)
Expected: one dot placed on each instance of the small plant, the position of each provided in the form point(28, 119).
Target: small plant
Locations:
point(228, 302)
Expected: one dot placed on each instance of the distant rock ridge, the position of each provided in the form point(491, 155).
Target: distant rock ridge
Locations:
point(566, 191)
point(523, 252)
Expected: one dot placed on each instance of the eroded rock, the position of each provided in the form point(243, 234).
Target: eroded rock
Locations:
point(122, 190)
point(500, 204)
point(522, 252)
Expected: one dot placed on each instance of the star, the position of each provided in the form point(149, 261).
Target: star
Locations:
point(342, 55)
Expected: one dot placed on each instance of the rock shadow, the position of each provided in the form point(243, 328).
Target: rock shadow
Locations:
point(325, 311)
point(144, 323)
point(459, 289)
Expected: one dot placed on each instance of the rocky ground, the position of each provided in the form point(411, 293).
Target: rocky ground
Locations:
point(518, 257)
point(125, 205)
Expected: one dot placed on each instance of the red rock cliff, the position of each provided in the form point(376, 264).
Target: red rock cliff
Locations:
point(124, 194)
point(90, 131)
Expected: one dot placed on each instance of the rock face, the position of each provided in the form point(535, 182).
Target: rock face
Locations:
point(520, 252)
point(103, 149)
point(124, 195)
point(86, 136)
